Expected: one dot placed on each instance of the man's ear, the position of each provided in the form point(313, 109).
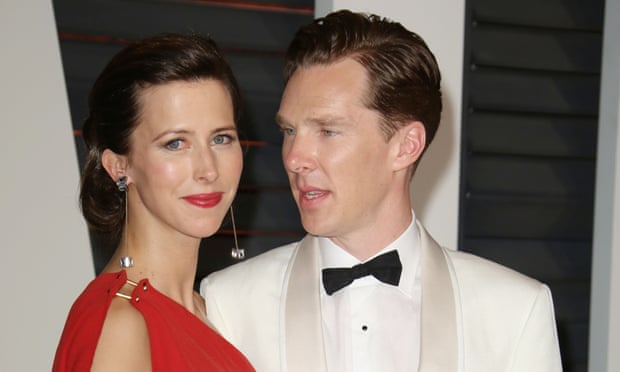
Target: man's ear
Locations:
point(114, 164)
point(411, 141)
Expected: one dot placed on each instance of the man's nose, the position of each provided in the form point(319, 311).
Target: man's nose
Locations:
point(298, 153)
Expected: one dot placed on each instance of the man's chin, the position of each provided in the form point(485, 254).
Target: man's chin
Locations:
point(316, 228)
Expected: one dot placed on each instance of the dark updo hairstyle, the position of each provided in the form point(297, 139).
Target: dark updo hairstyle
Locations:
point(114, 110)
point(403, 76)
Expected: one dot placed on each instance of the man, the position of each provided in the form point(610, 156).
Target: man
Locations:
point(361, 104)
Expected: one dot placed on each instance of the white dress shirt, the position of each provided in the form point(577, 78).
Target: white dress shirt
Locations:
point(369, 325)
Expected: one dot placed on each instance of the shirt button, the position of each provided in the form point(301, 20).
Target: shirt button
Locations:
point(364, 328)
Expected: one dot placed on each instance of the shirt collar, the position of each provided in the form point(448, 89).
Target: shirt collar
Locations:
point(407, 245)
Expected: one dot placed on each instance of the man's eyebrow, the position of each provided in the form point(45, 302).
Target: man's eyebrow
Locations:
point(320, 121)
point(280, 121)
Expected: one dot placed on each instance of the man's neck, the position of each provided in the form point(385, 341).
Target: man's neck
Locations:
point(365, 244)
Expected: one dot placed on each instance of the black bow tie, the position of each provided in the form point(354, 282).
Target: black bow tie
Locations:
point(386, 268)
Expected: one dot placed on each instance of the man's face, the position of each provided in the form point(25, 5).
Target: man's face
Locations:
point(339, 165)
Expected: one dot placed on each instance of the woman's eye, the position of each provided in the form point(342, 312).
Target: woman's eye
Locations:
point(174, 144)
point(222, 139)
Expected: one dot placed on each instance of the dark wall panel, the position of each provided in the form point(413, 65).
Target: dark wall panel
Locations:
point(558, 14)
point(539, 49)
point(531, 87)
point(232, 24)
point(502, 175)
point(533, 92)
point(531, 134)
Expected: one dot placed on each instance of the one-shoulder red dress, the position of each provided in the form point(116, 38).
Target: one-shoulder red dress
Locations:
point(179, 341)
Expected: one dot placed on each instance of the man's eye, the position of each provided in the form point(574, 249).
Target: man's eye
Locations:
point(287, 131)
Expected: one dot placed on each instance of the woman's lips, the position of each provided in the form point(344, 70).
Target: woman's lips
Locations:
point(204, 200)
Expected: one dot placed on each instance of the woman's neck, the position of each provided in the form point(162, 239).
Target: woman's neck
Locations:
point(169, 263)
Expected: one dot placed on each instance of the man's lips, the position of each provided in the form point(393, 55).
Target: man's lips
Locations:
point(204, 200)
point(314, 194)
point(309, 195)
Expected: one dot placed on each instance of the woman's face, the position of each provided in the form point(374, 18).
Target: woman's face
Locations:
point(185, 159)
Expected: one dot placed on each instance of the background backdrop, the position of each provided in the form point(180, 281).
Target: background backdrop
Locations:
point(511, 175)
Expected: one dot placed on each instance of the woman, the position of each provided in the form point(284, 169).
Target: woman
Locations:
point(162, 169)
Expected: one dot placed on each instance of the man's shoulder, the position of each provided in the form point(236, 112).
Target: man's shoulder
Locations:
point(479, 271)
point(273, 258)
point(272, 263)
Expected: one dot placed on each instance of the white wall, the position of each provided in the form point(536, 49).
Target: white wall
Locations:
point(604, 350)
point(435, 187)
point(45, 258)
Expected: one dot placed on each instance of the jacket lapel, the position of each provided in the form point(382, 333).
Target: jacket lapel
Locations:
point(438, 339)
point(302, 314)
point(304, 329)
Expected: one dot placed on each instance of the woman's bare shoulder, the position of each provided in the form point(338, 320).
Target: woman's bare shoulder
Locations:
point(124, 341)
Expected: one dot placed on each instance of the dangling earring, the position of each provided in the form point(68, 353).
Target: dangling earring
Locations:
point(125, 261)
point(236, 253)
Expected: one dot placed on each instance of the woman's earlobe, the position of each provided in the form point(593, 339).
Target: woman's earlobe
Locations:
point(114, 164)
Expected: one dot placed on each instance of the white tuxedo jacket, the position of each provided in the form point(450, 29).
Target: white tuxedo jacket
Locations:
point(477, 316)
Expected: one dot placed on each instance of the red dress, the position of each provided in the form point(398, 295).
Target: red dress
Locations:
point(179, 341)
